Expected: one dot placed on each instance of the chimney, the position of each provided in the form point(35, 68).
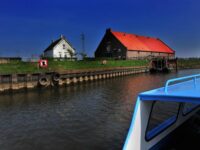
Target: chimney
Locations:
point(108, 30)
point(61, 36)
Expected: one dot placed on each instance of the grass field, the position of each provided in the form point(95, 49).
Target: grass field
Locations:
point(28, 67)
point(189, 63)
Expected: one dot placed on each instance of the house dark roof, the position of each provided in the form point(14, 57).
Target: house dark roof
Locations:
point(142, 43)
point(52, 45)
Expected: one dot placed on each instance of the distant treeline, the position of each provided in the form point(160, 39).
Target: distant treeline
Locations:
point(189, 63)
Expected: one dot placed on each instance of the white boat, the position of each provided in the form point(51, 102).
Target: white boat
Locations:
point(159, 112)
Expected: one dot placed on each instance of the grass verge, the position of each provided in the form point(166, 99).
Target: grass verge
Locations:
point(29, 67)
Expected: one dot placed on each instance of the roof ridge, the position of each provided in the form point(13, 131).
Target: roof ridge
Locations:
point(53, 44)
point(136, 34)
point(140, 42)
point(56, 42)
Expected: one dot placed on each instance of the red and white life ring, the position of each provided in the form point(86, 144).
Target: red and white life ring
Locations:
point(43, 63)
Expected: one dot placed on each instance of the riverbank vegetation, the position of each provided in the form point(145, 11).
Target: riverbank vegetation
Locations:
point(188, 63)
point(32, 67)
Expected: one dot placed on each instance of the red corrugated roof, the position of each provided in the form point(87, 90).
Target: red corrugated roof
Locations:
point(142, 43)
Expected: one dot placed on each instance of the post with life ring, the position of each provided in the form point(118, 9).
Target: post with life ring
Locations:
point(43, 63)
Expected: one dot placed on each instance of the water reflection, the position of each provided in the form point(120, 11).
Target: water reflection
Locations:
point(93, 115)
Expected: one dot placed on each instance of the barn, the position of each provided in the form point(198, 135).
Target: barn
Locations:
point(121, 45)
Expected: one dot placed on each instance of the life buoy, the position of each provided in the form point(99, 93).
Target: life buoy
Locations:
point(56, 77)
point(44, 81)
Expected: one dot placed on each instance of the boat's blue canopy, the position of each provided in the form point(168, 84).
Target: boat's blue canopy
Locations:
point(186, 91)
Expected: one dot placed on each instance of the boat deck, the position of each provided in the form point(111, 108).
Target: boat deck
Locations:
point(188, 91)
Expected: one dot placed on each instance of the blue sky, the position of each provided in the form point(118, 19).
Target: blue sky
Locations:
point(28, 26)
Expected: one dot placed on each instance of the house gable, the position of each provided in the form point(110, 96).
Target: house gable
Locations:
point(52, 45)
point(110, 46)
point(60, 48)
point(63, 49)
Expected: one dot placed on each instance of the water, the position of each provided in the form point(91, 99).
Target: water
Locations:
point(93, 115)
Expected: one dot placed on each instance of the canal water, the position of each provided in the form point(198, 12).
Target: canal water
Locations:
point(94, 115)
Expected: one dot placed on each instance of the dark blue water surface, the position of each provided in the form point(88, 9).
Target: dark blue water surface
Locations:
point(93, 115)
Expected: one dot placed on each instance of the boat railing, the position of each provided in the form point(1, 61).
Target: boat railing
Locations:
point(193, 77)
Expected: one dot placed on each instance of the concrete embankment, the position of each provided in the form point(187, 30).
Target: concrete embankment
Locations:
point(28, 81)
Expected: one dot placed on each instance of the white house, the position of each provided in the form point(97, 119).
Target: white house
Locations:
point(60, 48)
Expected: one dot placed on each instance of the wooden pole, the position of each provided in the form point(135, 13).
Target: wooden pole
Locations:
point(176, 64)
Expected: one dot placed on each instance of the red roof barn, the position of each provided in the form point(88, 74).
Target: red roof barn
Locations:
point(130, 46)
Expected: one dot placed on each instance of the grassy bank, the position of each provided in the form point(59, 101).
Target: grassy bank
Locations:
point(189, 63)
point(28, 67)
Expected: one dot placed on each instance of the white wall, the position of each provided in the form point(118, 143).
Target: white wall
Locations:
point(60, 51)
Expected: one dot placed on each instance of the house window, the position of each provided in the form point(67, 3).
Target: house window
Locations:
point(64, 46)
point(65, 54)
point(108, 43)
point(189, 107)
point(163, 115)
point(60, 54)
point(108, 48)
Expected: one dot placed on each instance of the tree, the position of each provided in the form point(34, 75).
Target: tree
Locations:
point(71, 53)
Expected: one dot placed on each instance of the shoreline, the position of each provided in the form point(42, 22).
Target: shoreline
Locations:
point(15, 82)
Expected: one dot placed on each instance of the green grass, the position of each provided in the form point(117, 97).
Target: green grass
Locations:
point(26, 67)
point(18, 67)
point(189, 63)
